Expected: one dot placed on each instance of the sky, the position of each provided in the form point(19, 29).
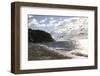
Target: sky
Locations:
point(57, 25)
point(46, 18)
point(46, 22)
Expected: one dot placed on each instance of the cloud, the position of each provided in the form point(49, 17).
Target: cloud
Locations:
point(30, 16)
point(33, 22)
point(52, 21)
point(51, 18)
point(43, 20)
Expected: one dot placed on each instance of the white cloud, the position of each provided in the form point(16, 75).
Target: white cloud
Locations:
point(42, 21)
point(51, 18)
point(34, 21)
point(52, 21)
point(30, 16)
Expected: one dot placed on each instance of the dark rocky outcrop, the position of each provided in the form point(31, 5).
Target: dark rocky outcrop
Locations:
point(38, 36)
